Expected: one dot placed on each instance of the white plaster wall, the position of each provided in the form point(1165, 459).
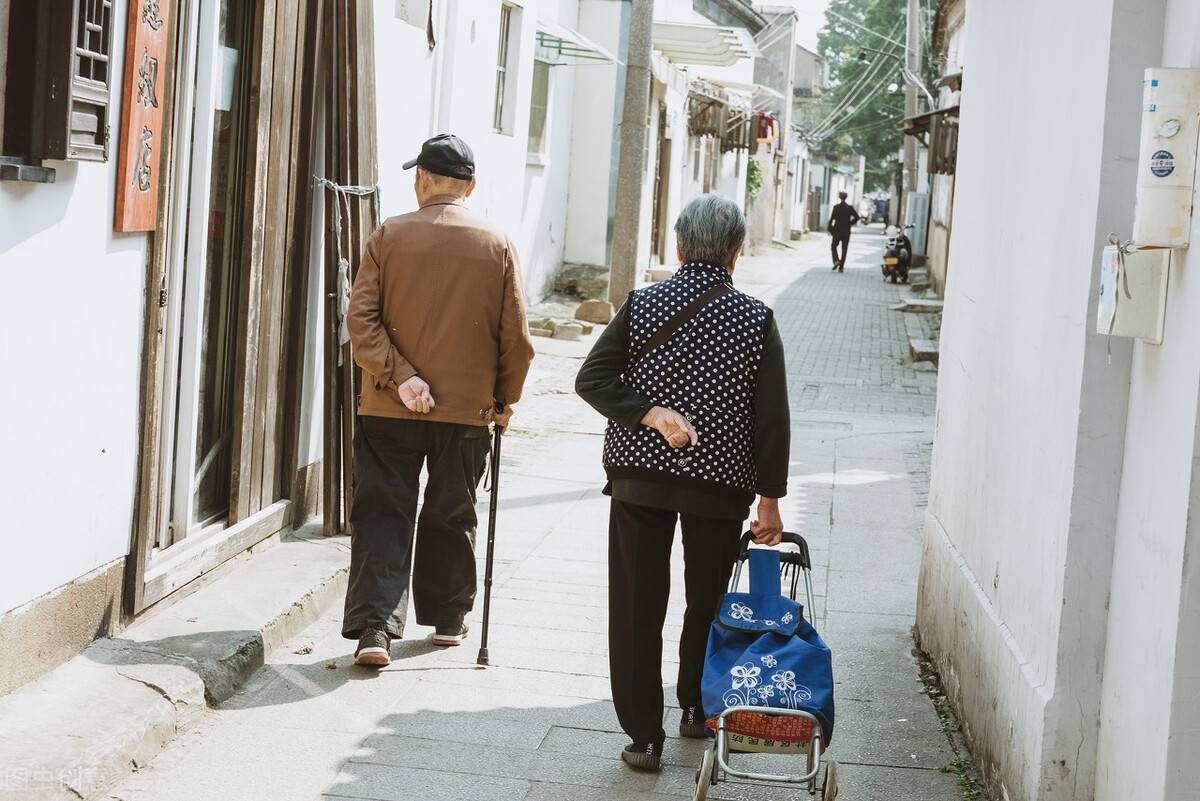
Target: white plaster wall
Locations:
point(592, 161)
point(1011, 374)
point(70, 357)
point(1150, 668)
point(452, 90)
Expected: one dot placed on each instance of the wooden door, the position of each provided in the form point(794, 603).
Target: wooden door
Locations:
point(225, 340)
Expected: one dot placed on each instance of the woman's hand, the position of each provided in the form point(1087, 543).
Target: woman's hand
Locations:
point(768, 528)
point(673, 426)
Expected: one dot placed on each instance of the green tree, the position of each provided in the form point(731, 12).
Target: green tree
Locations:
point(860, 115)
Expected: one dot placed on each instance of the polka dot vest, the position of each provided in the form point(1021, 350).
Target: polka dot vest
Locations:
point(706, 371)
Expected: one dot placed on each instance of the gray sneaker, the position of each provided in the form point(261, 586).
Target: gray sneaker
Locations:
point(451, 635)
point(374, 649)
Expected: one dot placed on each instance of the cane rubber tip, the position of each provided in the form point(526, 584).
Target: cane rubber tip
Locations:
point(483, 658)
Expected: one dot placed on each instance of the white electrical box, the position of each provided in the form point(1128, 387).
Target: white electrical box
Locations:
point(1133, 293)
point(1167, 160)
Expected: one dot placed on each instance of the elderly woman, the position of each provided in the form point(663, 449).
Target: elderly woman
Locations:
point(690, 374)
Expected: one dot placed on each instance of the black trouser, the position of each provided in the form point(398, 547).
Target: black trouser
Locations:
point(639, 583)
point(388, 455)
point(844, 241)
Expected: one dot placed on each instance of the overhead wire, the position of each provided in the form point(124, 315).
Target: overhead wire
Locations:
point(852, 93)
point(828, 130)
point(853, 98)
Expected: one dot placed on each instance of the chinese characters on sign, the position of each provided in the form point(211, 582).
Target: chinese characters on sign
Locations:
point(148, 80)
point(142, 116)
point(150, 15)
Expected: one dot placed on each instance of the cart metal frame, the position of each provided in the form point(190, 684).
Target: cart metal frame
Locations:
point(716, 766)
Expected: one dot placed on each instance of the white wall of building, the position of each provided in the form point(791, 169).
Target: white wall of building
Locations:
point(593, 155)
point(1150, 669)
point(451, 90)
point(70, 357)
point(1058, 526)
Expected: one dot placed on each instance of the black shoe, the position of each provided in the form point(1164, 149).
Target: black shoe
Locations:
point(451, 635)
point(643, 756)
point(841, 269)
point(374, 649)
point(691, 724)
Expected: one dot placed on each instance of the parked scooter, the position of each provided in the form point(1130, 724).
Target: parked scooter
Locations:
point(897, 256)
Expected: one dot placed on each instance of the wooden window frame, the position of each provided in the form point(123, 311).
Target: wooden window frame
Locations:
point(52, 110)
point(507, 50)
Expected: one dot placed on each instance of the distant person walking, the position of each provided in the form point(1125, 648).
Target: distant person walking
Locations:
point(842, 220)
point(437, 320)
point(690, 374)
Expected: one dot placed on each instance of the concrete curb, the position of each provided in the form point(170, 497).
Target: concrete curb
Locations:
point(921, 348)
point(81, 728)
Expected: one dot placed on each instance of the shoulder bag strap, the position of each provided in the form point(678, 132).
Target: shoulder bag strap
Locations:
point(679, 320)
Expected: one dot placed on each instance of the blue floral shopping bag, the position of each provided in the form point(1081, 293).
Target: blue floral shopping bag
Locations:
point(762, 652)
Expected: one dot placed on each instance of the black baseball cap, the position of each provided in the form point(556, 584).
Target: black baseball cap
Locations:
point(445, 154)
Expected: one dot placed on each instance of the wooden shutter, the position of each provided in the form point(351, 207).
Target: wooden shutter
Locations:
point(59, 76)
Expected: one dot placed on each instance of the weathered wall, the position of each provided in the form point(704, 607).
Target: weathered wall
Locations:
point(1020, 524)
point(70, 345)
point(1150, 673)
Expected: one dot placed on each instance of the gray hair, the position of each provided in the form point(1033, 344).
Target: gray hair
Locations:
point(710, 229)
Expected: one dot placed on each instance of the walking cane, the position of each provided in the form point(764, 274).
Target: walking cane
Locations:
point(491, 543)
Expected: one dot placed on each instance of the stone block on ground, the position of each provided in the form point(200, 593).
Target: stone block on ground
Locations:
point(919, 306)
point(662, 273)
point(595, 311)
point(582, 280)
point(923, 350)
point(568, 331)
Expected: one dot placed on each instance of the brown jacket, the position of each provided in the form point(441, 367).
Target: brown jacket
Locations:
point(438, 294)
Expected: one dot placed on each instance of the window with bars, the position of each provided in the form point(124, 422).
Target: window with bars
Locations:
point(58, 79)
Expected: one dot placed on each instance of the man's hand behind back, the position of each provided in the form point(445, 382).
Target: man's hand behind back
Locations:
point(414, 394)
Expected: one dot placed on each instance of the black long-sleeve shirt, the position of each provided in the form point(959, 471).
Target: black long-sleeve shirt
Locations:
point(599, 383)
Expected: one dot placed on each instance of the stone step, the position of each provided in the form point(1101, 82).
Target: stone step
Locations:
point(82, 727)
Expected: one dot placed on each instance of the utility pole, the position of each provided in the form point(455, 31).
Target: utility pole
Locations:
point(912, 58)
point(634, 130)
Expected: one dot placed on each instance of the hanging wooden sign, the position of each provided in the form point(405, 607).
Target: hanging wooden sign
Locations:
point(139, 156)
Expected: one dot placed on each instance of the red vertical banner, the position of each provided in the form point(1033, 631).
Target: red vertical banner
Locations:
point(143, 96)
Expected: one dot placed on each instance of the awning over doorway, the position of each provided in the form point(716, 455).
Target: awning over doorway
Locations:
point(712, 45)
point(560, 46)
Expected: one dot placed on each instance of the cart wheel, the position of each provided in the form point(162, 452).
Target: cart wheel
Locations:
point(704, 775)
point(829, 787)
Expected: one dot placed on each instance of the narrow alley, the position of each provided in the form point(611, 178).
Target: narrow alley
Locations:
point(538, 725)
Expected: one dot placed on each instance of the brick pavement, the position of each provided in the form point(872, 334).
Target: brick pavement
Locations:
point(539, 725)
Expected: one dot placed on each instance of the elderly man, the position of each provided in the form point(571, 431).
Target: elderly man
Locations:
point(437, 320)
point(690, 374)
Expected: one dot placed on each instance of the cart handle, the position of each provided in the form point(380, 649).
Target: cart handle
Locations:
point(803, 558)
